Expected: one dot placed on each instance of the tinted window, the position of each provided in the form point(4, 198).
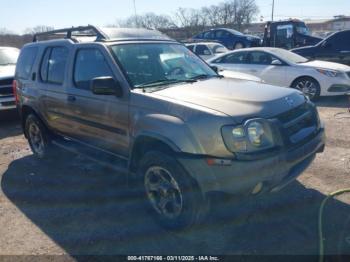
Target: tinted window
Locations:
point(53, 65)
point(89, 64)
point(44, 63)
point(222, 34)
point(235, 58)
point(259, 58)
point(202, 50)
point(208, 35)
point(191, 47)
point(26, 61)
point(340, 41)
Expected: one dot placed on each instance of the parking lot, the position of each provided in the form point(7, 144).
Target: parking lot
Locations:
point(69, 205)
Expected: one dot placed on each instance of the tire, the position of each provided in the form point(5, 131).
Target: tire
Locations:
point(309, 86)
point(173, 198)
point(238, 45)
point(38, 137)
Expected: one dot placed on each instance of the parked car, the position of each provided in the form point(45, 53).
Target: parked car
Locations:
point(207, 50)
point(335, 48)
point(8, 59)
point(149, 108)
point(284, 68)
point(230, 38)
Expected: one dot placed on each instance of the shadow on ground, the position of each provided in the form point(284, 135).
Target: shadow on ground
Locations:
point(9, 124)
point(87, 209)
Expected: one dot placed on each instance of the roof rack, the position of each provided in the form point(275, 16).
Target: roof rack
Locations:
point(67, 33)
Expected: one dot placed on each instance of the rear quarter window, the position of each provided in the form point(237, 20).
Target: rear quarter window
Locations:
point(25, 62)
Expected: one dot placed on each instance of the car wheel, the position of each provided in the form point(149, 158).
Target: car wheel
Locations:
point(37, 136)
point(174, 199)
point(309, 86)
point(238, 46)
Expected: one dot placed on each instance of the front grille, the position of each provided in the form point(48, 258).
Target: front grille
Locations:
point(299, 124)
point(6, 87)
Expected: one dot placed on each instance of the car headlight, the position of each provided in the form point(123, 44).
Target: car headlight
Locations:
point(249, 38)
point(254, 135)
point(330, 73)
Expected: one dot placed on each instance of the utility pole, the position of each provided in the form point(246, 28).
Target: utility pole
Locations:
point(135, 13)
point(273, 10)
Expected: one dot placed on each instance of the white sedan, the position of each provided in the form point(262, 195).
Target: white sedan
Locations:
point(283, 68)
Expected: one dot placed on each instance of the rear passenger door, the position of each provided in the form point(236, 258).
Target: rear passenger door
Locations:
point(51, 79)
point(100, 121)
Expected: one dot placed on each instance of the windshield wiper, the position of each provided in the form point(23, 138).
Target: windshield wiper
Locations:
point(7, 64)
point(161, 82)
point(204, 76)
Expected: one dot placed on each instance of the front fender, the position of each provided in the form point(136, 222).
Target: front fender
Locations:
point(169, 129)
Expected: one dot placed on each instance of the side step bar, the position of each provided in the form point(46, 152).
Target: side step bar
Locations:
point(103, 158)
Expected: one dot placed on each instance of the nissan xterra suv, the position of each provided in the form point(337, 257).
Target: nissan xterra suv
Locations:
point(146, 106)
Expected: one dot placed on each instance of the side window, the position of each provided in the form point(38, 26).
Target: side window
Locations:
point(259, 58)
point(25, 62)
point(89, 64)
point(221, 34)
point(190, 47)
point(340, 41)
point(53, 65)
point(208, 35)
point(44, 63)
point(235, 58)
point(202, 50)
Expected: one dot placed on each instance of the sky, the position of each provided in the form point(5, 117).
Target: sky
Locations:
point(17, 15)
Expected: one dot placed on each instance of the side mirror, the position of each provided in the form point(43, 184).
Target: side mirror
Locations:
point(215, 68)
point(106, 86)
point(276, 62)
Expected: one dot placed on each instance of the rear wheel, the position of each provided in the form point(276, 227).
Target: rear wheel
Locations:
point(37, 136)
point(309, 86)
point(174, 199)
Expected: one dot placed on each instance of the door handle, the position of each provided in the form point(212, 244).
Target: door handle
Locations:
point(71, 98)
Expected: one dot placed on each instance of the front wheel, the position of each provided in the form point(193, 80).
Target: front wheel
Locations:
point(37, 136)
point(174, 199)
point(309, 86)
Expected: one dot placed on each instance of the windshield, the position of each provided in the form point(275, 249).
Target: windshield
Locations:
point(302, 29)
point(160, 63)
point(289, 56)
point(8, 56)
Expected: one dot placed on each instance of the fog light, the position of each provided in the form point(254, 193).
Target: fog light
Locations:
point(257, 189)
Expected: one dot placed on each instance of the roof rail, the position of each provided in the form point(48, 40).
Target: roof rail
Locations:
point(100, 36)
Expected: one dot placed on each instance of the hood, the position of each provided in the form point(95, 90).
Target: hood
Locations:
point(326, 65)
point(7, 71)
point(304, 48)
point(241, 99)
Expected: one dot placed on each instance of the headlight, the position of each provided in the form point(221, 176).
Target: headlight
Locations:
point(330, 73)
point(249, 38)
point(254, 135)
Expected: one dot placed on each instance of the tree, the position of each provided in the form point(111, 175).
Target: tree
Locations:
point(148, 20)
point(5, 31)
point(38, 29)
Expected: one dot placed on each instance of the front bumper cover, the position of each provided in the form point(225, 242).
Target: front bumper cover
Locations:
point(242, 176)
